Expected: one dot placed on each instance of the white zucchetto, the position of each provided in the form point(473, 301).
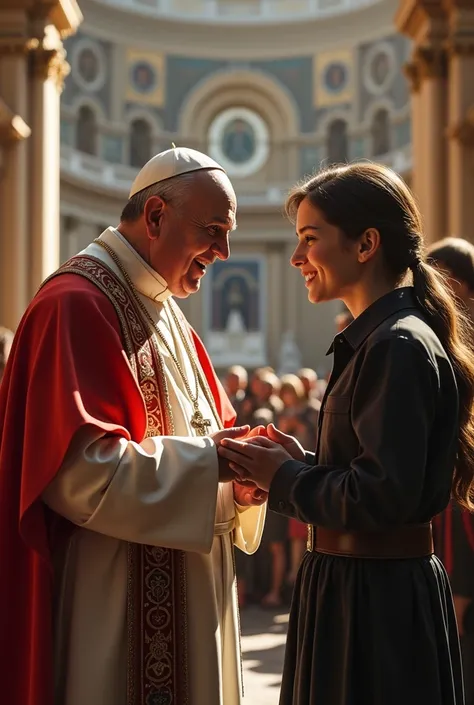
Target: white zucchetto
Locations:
point(173, 162)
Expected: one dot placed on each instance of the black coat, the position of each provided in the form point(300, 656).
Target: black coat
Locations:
point(372, 631)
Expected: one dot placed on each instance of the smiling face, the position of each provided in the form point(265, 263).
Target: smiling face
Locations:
point(327, 259)
point(183, 240)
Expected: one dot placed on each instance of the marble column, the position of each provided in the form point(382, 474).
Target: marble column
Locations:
point(461, 138)
point(431, 151)
point(14, 189)
point(48, 70)
point(412, 72)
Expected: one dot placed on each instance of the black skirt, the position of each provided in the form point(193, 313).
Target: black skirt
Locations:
point(372, 632)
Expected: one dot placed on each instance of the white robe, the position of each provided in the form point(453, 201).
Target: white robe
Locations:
point(163, 492)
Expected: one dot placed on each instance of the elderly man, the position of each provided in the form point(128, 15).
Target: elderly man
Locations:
point(118, 518)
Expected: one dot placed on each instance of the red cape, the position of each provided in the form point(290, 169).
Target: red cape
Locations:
point(67, 370)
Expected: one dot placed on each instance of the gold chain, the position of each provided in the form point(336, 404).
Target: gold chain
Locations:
point(198, 422)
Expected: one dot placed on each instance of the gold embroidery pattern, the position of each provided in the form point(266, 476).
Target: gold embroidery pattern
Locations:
point(157, 607)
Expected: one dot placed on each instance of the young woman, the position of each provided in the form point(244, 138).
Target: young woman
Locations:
point(372, 620)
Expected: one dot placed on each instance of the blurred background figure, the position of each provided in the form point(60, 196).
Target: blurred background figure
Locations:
point(313, 390)
point(342, 320)
point(299, 418)
point(454, 257)
point(264, 387)
point(6, 340)
point(236, 383)
point(293, 419)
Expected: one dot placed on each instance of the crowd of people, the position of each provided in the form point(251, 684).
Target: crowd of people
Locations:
point(291, 402)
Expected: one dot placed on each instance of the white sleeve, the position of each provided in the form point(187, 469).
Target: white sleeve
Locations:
point(161, 492)
point(249, 523)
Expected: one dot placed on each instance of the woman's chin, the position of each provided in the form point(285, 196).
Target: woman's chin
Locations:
point(315, 297)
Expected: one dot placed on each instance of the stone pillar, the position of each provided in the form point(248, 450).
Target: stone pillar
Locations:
point(461, 138)
point(426, 25)
point(412, 72)
point(14, 190)
point(430, 154)
point(48, 70)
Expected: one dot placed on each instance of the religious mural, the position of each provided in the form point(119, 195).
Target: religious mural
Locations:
point(146, 77)
point(88, 65)
point(379, 68)
point(235, 301)
point(239, 140)
point(235, 295)
point(333, 78)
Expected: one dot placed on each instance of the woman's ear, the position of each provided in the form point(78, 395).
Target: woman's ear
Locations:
point(369, 243)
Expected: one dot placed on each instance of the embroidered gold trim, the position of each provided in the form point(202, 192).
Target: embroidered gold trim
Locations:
point(156, 601)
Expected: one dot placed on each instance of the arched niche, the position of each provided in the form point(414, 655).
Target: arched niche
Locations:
point(381, 133)
point(140, 148)
point(254, 92)
point(337, 142)
point(87, 131)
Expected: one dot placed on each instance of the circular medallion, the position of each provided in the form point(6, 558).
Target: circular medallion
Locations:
point(238, 140)
point(379, 68)
point(143, 77)
point(335, 77)
point(88, 65)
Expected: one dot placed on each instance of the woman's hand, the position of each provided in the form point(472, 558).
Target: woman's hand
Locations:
point(247, 494)
point(257, 459)
point(290, 444)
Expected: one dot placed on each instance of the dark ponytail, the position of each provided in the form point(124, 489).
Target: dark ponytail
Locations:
point(358, 196)
point(453, 329)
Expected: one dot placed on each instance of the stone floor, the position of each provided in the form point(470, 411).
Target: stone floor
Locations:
point(263, 647)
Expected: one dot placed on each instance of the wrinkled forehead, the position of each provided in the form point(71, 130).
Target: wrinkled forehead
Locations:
point(212, 198)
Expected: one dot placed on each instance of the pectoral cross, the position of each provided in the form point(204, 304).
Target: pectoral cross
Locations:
point(200, 424)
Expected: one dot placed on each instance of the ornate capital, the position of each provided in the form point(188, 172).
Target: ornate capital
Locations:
point(15, 46)
point(461, 46)
point(50, 64)
point(463, 131)
point(431, 62)
point(412, 72)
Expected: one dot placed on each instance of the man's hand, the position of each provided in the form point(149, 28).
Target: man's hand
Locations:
point(225, 472)
point(290, 444)
point(247, 494)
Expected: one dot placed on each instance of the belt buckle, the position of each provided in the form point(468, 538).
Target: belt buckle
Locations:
point(310, 538)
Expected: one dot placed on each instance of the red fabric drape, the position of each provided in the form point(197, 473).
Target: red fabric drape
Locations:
point(67, 370)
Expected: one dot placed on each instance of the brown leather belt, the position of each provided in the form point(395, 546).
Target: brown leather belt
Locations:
point(409, 541)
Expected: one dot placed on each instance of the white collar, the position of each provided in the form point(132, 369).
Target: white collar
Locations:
point(144, 278)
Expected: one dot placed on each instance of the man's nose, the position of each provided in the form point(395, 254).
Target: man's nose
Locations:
point(298, 258)
point(222, 248)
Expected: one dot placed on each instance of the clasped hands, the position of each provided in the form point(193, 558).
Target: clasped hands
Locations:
point(251, 459)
